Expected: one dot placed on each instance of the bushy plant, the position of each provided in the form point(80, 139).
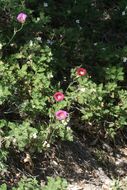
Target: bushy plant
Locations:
point(56, 184)
point(30, 117)
point(102, 106)
point(31, 54)
point(27, 98)
point(32, 184)
point(61, 62)
point(3, 159)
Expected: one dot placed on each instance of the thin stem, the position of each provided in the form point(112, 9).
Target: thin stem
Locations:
point(12, 36)
point(71, 84)
point(14, 33)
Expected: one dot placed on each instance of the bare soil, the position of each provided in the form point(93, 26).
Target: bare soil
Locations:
point(86, 166)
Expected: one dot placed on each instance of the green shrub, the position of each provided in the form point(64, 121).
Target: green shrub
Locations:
point(102, 106)
point(27, 98)
point(3, 159)
point(36, 57)
point(39, 56)
point(32, 184)
point(56, 184)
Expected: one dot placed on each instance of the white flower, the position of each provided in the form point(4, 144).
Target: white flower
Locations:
point(14, 140)
point(124, 59)
point(34, 136)
point(1, 46)
point(38, 39)
point(77, 21)
point(123, 13)
point(45, 4)
point(31, 43)
point(50, 42)
point(46, 144)
point(82, 89)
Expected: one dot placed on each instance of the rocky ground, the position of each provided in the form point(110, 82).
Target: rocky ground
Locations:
point(86, 166)
point(89, 167)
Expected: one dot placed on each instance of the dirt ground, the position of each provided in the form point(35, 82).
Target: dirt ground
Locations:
point(86, 166)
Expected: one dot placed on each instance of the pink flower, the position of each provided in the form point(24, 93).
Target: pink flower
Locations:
point(58, 96)
point(61, 114)
point(81, 71)
point(21, 17)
